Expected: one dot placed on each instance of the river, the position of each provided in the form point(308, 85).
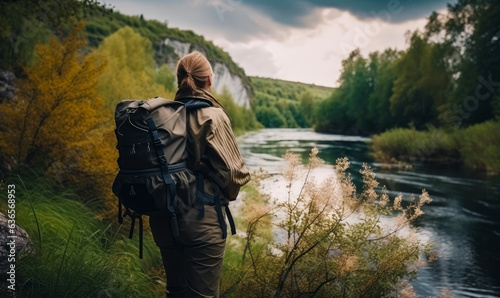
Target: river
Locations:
point(463, 220)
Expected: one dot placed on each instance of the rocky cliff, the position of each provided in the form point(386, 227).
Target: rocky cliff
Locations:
point(224, 78)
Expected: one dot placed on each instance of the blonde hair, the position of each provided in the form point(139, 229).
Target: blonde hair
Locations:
point(193, 71)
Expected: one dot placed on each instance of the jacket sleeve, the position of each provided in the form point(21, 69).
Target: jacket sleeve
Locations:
point(229, 170)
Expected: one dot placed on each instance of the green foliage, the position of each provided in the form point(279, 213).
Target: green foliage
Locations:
point(166, 78)
point(422, 83)
point(99, 27)
point(427, 84)
point(270, 117)
point(279, 103)
point(75, 254)
point(131, 71)
point(242, 119)
point(25, 23)
point(479, 146)
point(469, 33)
point(411, 145)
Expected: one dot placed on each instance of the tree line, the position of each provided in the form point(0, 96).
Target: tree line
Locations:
point(448, 77)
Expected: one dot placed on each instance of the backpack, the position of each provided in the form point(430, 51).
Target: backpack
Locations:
point(152, 138)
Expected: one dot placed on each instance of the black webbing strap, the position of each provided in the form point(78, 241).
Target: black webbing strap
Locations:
point(230, 218)
point(140, 237)
point(200, 189)
point(169, 182)
point(133, 217)
point(120, 216)
point(203, 199)
point(220, 216)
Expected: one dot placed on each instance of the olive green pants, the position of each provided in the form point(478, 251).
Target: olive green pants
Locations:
point(193, 262)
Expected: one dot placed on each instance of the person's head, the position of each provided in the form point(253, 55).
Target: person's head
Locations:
point(194, 72)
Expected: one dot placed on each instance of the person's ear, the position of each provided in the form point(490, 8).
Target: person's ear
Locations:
point(209, 83)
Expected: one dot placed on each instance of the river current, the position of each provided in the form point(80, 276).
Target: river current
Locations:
point(463, 220)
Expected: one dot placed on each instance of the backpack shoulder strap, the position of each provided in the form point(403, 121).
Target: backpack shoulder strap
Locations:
point(193, 103)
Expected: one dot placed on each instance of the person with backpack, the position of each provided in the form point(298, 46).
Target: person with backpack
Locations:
point(193, 258)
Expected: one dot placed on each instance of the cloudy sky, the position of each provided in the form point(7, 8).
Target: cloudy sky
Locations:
point(294, 40)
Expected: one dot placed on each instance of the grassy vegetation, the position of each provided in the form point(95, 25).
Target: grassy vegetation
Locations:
point(280, 103)
point(233, 268)
point(76, 254)
point(477, 146)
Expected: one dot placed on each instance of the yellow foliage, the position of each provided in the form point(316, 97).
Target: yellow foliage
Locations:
point(57, 120)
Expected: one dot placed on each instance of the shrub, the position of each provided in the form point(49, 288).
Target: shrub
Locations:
point(411, 145)
point(334, 240)
point(479, 146)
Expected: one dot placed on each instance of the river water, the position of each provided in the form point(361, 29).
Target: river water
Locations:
point(463, 220)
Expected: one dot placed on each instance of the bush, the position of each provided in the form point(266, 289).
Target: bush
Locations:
point(479, 146)
point(270, 117)
point(333, 240)
point(411, 145)
point(242, 119)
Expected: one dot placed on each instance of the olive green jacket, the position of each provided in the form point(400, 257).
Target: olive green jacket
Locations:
point(212, 147)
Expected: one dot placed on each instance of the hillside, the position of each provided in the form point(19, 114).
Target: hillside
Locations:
point(280, 103)
point(288, 89)
point(171, 43)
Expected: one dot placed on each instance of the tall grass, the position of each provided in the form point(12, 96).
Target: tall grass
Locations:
point(476, 146)
point(76, 254)
point(409, 144)
point(480, 146)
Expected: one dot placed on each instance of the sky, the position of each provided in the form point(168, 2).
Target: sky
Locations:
point(295, 40)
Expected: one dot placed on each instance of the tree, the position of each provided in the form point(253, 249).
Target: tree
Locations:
point(166, 78)
point(24, 23)
point(379, 106)
point(57, 115)
point(270, 117)
point(470, 32)
point(423, 83)
point(131, 73)
point(307, 102)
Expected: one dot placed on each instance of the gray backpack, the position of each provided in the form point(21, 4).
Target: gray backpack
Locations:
point(153, 176)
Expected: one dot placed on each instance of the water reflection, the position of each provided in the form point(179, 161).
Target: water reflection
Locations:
point(463, 219)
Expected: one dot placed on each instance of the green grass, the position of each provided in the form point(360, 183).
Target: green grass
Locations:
point(233, 270)
point(76, 254)
point(477, 146)
point(480, 146)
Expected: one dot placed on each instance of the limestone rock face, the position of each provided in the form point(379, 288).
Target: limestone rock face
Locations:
point(223, 76)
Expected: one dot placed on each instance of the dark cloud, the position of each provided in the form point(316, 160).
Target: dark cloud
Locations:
point(295, 12)
point(244, 20)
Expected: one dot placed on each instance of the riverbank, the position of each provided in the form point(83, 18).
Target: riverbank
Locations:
point(477, 146)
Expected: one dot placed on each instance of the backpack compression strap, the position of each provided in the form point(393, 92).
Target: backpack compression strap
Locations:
point(169, 182)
